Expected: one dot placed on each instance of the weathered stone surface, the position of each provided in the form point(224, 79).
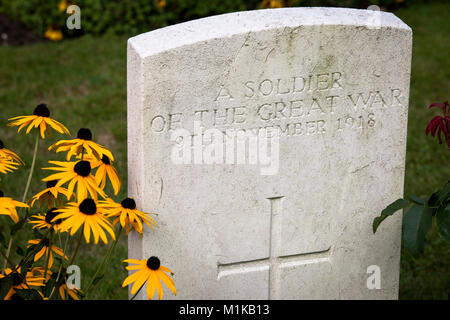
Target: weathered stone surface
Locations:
point(332, 85)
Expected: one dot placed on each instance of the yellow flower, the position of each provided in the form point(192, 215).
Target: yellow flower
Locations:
point(50, 194)
point(53, 34)
point(31, 279)
point(88, 215)
point(8, 165)
point(150, 271)
point(47, 250)
point(9, 161)
point(46, 222)
point(40, 118)
point(106, 169)
point(83, 143)
point(160, 3)
point(127, 214)
point(272, 4)
point(8, 154)
point(62, 6)
point(77, 174)
point(73, 292)
point(8, 207)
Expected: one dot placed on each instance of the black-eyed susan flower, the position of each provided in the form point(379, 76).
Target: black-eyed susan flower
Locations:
point(150, 271)
point(8, 207)
point(9, 161)
point(31, 279)
point(106, 169)
point(83, 143)
point(51, 195)
point(8, 154)
point(72, 292)
point(47, 250)
point(88, 215)
point(40, 118)
point(127, 214)
point(46, 221)
point(8, 165)
point(76, 174)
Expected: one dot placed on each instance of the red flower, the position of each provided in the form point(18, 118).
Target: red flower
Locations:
point(440, 125)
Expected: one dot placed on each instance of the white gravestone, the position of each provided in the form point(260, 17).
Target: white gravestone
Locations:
point(266, 142)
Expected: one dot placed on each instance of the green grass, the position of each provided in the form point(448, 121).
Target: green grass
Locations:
point(427, 162)
point(84, 83)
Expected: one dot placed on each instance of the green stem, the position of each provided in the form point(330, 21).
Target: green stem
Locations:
point(105, 259)
point(76, 248)
point(132, 298)
point(36, 144)
point(61, 265)
point(7, 260)
point(48, 256)
point(31, 254)
point(27, 186)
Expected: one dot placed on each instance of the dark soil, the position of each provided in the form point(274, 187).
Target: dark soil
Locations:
point(14, 33)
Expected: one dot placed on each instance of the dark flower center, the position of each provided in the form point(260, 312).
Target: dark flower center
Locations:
point(105, 160)
point(82, 168)
point(52, 183)
point(1, 194)
point(128, 203)
point(46, 242)
point(88, 207)
point(17, 279)
point(84, 134)
point(50, 215)
point(1, 144)
point(41, 110)
point(153, 263)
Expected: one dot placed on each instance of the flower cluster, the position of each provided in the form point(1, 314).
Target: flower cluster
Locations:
point(73, 205)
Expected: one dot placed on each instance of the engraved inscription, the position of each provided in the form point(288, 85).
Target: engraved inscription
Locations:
point(313, 104)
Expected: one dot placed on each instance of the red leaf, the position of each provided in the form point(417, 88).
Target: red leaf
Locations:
point(436, 104)
point(433, 125)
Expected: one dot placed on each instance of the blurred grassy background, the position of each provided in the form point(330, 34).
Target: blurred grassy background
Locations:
point(84, 83)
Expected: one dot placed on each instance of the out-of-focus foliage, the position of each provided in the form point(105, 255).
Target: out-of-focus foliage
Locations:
point(136, 16)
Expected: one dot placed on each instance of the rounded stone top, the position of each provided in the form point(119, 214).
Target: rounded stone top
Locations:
point(227, 25)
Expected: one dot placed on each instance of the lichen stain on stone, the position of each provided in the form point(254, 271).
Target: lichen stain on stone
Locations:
point(325, 64)
point(290, 48)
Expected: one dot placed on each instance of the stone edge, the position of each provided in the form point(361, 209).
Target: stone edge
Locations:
point(227, 25)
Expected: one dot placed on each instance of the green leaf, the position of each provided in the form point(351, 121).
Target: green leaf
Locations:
point(24, 269)
point(37, 234)
point(416, 224)
point(444, 194)
point(439, 197)
point(20, 251)
point(97, 279)
point(34, 248)
point(2, 239)
point(388, 211)
point(28, 294)
point(5, 284)
point(443, 222)
point(18, 226)
point(47, 290)
point(417, 200)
